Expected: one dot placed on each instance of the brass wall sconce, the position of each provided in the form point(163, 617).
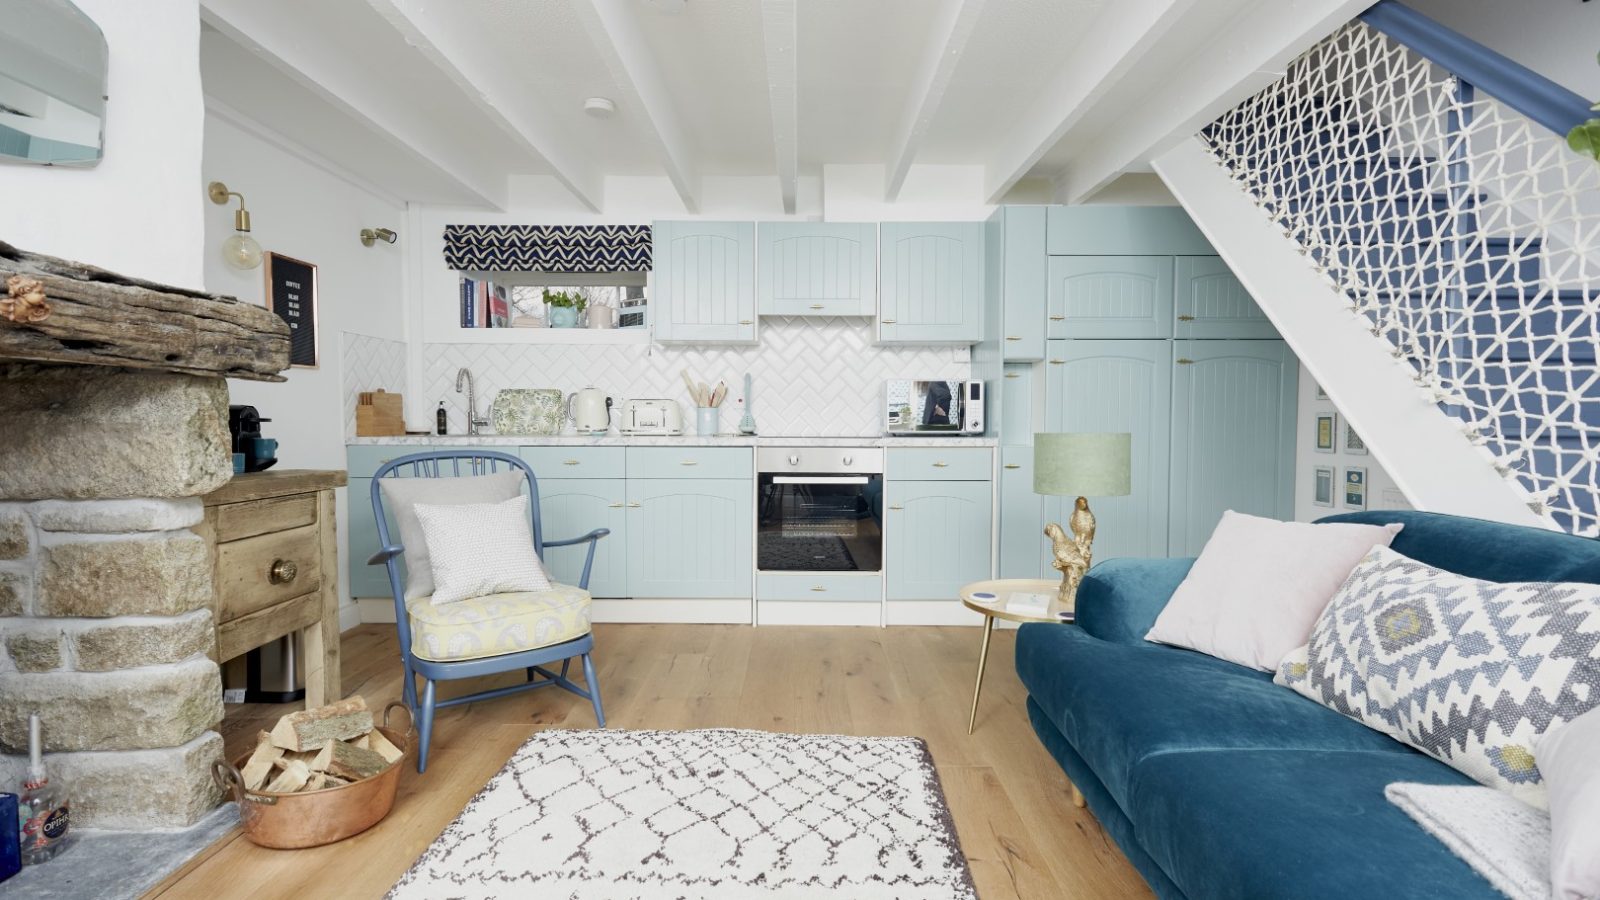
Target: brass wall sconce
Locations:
point(240, 250)
point(370, 236)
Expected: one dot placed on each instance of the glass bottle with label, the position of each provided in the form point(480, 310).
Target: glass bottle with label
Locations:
point(42, 806)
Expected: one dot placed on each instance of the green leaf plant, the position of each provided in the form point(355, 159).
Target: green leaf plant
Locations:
point(1585, 136)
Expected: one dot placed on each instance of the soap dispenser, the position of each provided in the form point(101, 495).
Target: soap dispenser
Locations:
point(443, 419)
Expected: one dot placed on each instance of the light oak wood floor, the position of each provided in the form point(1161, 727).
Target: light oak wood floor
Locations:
point(1012, 806)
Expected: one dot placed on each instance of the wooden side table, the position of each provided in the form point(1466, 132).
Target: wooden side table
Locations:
point(276, 562)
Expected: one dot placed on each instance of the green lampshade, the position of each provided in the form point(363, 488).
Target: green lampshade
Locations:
point(1083, 464)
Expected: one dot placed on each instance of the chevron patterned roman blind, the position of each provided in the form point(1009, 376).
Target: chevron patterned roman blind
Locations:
point(547, 248)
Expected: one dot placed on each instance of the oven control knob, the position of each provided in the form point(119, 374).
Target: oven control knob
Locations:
point(794, 459)
point(849, 460)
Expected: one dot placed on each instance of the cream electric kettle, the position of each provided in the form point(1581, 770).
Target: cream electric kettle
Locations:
point(590, 410)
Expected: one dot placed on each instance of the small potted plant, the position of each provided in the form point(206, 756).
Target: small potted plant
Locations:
point(565, 307)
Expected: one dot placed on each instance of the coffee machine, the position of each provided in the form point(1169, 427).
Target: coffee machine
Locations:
point(258, 453)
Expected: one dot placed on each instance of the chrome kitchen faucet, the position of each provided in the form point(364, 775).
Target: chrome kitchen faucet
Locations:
point(473, 421)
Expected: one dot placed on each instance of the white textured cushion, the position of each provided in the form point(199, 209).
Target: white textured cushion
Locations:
point(1260, 584)
point(400, 495)
point(480, 549)
point(1470, 672)
point(1569, 759)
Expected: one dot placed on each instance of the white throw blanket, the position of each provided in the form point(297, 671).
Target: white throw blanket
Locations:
point(1502, 838)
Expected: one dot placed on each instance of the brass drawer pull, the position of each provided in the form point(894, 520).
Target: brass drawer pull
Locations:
point(887, 321)
point(614, 505)
point(282, 571)
point(1012, 375)
point(1013, 465)
point(820, 589)
point(688, 462)
point(897, 507)
point(1058, 318)
point(633, 505)
point(744, 322)
point(569, 462)
point(1186, 318)
point(1185, 362)
point(817, 306)
point(1010, 338)
point(1057, 362)
point(941, 465)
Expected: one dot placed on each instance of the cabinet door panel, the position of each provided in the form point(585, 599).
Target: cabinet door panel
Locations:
point(817, 269)
point(1023, 546)
point(938, 536)
point(690, 538)
point(1110, 297)
point(1233, 417)
point(1024, 285)
point(703, 282)
point(930, 282)
point(362, 542)
point(1211, 303)
point(1117, 386)
point(1016, 405)
point(572, 507)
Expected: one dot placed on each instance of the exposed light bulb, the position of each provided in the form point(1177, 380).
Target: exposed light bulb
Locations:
point(241, 251)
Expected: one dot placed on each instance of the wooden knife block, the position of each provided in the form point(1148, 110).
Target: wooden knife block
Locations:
point(379, 414)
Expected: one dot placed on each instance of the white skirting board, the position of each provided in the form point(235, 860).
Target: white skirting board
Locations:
point(813, 612)
point(933, 612)
point(707, 612)
point(768, 612)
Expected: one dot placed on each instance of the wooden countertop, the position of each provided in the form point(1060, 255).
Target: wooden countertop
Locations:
point(276, 483)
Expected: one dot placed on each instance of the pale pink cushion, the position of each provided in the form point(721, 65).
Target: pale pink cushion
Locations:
point(1568, 757)
point(1260, 584)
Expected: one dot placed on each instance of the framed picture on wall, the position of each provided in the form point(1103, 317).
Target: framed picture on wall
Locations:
point(1327, 427)
point(1355, 487)
point(292, 294)
point(1322, 486)
point(1353, 444)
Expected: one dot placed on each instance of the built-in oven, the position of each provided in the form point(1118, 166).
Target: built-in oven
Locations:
point(819, 509)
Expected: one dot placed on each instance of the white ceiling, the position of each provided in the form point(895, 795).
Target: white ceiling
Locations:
point(445, 100)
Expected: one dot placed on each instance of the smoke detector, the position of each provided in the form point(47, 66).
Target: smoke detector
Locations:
point(599, 107)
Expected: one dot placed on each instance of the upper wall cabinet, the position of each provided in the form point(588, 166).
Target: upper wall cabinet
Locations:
point(817, 268)
point(1211, 303)
point(1125, 230)
point(1022, 280)
point(703, 287)
point(930, 282)
point(1110, 297)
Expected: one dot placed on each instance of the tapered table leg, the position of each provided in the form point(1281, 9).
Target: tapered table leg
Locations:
point(983, 657)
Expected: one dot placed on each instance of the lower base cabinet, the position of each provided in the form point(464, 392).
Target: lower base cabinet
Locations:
point(690, 538)
point(937, 534)
point(1024, 550)
point(570, 508)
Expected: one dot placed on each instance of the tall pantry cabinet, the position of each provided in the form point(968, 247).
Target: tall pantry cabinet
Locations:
point(1146, 331)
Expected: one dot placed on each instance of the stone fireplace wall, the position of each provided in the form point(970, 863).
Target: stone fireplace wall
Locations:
point(105, 593)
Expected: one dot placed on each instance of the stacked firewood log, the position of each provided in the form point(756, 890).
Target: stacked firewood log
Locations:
point(319, 748)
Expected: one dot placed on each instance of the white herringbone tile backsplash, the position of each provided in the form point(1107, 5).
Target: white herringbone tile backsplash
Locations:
point(813, 377)
point(370, 363)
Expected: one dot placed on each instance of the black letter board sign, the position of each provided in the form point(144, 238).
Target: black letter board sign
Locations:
point(292, 294)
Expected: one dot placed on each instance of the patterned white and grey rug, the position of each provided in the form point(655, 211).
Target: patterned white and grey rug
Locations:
point(709, 815)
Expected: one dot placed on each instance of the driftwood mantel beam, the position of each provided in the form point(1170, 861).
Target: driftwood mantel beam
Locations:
point(57, 311)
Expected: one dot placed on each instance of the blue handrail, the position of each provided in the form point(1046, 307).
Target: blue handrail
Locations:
point(1512, 83)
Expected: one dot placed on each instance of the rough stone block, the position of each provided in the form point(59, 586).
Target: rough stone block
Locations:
point(117, 516)
point(159, 576)
point(134, 790)
point(86, 432)
point(15, 533)
point(16, 590)
point(133, 709)
point(35, 651)
point(104, 648)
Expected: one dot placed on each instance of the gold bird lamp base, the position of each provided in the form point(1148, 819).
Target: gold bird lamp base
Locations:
point(1072, 555)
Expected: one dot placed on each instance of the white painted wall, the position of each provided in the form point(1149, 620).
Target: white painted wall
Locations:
point(304, 211)
point(138, 211)
point(1382, 492)
point(1556, 38)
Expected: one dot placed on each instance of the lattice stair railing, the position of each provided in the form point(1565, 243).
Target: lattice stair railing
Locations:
point(1467, 235)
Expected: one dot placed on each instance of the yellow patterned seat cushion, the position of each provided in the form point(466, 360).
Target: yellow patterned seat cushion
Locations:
point(497, 623)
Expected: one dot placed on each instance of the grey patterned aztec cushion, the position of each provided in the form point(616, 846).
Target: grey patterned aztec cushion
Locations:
point(1469, 672)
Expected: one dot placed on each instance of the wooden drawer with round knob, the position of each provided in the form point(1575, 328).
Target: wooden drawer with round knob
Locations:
point(258, 572)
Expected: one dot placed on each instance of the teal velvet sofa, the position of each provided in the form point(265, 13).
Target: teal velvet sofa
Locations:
point(1216, 782)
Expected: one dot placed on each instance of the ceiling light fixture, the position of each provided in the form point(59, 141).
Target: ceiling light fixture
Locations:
point(240, 250)
point(599, 107)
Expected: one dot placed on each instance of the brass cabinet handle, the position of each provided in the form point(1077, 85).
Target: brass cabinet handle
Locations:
point(887, 321)
point(1185, 362)
point(1186, 318)
point(820, 589)
point(569, 462)
point(1010, 338)
point(817, 306)
point(633, 506)
point(940, 465)
point(1012, 375)
point(614, 505)
point(1058, 318)
point(1057, 362)
point(897, 507)
point(282, 571)
point(1013, 465)
point(687, 462)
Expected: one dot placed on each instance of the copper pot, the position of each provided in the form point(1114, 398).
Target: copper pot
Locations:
point(288, 821)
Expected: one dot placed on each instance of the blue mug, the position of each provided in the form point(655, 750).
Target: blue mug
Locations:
point(265, 448)
point(238, 464)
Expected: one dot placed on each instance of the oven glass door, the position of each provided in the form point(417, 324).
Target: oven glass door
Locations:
point(819, 523)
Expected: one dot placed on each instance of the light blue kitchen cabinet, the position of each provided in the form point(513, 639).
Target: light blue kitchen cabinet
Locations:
point(1210, 302)
point(1110, 297)
point(572, 507)
point(703, 286)
point(1023, 283)
point(1016, 408)
point(1233, 421)
point(1024, 550)
point(817, 268)
point(690, 537)
point(1117, 386)
point(361, 525)
point(930, 282)
point(937, 537)
point(1097, 230)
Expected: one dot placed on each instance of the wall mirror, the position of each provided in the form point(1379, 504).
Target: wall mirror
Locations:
point(52, 84)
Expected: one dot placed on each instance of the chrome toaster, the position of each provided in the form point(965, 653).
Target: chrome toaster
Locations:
point(651, 417)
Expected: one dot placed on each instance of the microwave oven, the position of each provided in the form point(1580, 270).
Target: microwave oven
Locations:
point(933, 407)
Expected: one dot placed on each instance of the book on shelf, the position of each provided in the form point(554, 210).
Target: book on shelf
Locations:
point(467, 292)
point(499, 306)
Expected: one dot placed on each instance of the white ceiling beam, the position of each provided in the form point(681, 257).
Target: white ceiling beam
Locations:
point(1249, 52)
point(258, 30)
point(779, 31)
point(444, 43)
point(951, 32)
point(617, 38)
point(1119, 39)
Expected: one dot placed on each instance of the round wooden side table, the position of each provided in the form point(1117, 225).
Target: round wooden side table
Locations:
point(989, 599)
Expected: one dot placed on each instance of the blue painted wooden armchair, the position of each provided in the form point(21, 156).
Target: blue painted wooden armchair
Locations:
point(450, 463)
